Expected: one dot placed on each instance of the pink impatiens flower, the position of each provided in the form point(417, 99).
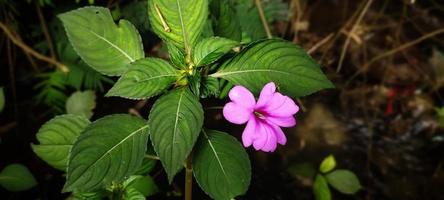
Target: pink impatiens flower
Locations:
point(265, 117)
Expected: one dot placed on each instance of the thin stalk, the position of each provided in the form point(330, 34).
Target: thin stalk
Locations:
point(263, 18)
point(189, 178)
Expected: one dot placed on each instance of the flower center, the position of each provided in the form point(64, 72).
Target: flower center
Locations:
point(259, 115)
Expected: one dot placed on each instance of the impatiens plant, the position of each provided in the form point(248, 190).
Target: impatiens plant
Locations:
point(112, 156)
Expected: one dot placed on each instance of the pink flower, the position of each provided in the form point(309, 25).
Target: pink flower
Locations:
point(265, 117)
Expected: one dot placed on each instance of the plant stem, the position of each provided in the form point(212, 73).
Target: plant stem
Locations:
point(189, 179)
point(45, 31)
point(263, 18)
point(31, 51)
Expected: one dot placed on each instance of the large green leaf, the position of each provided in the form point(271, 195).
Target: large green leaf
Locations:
point(16, 177)
point(56, 138)
point(144, 184)
point(103, 45)
point(294, 71)
point(81, 103)
point(344, 181)
point(145, 78)
point(108, 150)
point(178, 21)
point(210, 49)
point(175, 121)
point(320, 188)
point(221, 165)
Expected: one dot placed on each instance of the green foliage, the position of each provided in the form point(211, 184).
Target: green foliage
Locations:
point(344, 181)
point(81, 103)
point(56, 138)
point(99, 195)
point(2, 99)
point(211, 49)
point(145, 78)
point(175, 123)
point(282, 62)
point(221, 165)
point(109, 150)
point(51, 90)
point(225, 22)
point(16, 178)
point(178, 22)
point(144, 184)
point(108, 53)
point(328, 164)
point(320, 188)
point(136, 13)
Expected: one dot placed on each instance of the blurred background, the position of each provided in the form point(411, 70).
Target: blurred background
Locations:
point(384, 120)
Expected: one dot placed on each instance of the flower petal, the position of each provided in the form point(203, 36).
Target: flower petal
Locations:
point(266, 94)
point(280, 136)
point(266, 138)
point(282, 121)
point(249, 133)
point(236, 113)
point(280, 106)
point(242, 96)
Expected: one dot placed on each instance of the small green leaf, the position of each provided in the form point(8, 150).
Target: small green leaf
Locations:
point(103, 45)
point(109, 150)
point(328, 164)
point(344, 181)
point(16, 178)
point(177, 21)
point(226, 23)
point(210, 87)
point(56, 138)
point(99, 195)
point(177, 56)
point(320, 188)
point(210, 49)
point(175, 123)
point(81, 103)
point(2, 99)
point(282, 62)
point(221, 165)
point(145, 78)
point(132, 194)
point(144, 184)
point(440, 113)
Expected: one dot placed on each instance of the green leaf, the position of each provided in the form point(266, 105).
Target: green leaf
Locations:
point(103, 45)
point(221, 165)
point(17, 177)
point(226, 23)
point(56, 138)
point(2, 99)
point(99, 195)
point(177, 56)
point(175, 121)
point(289, 66)
point(210, 87)
point(132, 194)
point(144, 184)
point(81, 103)
point(210, 49)
point(328, 164)
point(145, 78)
point(177, 21)
point(344, 181)
point(109, 150)
point(320, 188)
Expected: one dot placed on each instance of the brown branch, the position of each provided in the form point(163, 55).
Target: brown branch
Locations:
point(320, 43)
point(31, 51)
point(347, 41)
